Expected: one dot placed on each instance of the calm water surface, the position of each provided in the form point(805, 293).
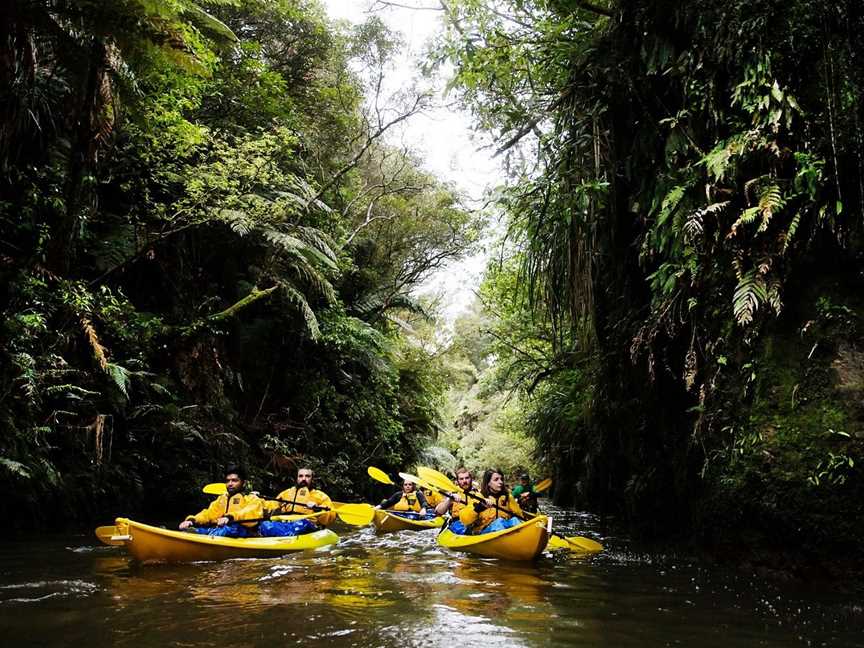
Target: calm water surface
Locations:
point(403, 590)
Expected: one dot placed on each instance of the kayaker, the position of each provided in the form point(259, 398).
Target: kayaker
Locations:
point(301, 499)
point(499, 511)
point(408, 500)
point(454, 503)
point(226, 514)
point(524, 492)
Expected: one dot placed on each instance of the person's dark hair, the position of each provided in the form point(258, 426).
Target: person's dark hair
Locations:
point(235, 469)
point(525, 477)
point(487, 477)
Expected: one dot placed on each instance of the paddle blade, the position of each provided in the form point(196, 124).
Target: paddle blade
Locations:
point(215, 489)
point(585, 544)
point(104, 534)
point(543, 485)
point(437, 479)
point(356, 514)
point(576, 544)
point(414, 479)
point(379, 475)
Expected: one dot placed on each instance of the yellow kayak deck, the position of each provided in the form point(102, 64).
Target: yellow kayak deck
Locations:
point(389, 521)
point(152, 544)
point(525, 541)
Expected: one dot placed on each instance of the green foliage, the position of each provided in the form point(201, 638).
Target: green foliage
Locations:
point(187, 273)
point(673, 193)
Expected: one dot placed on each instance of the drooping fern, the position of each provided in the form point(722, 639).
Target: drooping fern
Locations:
point(750, 292)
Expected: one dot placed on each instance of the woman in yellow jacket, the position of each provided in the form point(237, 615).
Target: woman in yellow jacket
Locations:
point(409, 501)
point(233, 515)
point(300, 499)
point(500, 510)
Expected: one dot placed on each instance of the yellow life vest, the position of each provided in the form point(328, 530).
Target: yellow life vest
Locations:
point(507, 508)
point(237, 507)
point(408, 502)
point(295, 501)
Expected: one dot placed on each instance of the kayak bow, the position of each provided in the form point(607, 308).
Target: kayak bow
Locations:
point(388, 521)
point(524, 541)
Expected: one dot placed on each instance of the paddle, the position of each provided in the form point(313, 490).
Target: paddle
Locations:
point(353, 514)
point(379, 475)
point(556, 541)
point(543, 485)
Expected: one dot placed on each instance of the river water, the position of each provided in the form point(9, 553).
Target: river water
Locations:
point(403, 590)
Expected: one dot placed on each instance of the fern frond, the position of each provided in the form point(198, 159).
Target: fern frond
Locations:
point(670, 203)
point(120, 376)
point(750, 292)
point(770, 202)
point(790, 232)
point(15, 467)
point(239, 221)
point(296, 297)
point(69, 390)
point(747, 216)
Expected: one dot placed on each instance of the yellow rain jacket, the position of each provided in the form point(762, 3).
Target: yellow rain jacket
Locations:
point(456, 508)
point(236, 508)
point(476, 522)
point(297, 498)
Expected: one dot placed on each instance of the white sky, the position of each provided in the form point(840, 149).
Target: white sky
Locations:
point(442, 136)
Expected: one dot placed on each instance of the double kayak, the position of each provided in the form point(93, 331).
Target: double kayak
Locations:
point(524, 541)
point(387, 521)
point(152, 544)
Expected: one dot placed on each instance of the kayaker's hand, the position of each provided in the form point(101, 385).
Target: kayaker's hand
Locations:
point(422, 512)
point(222, 521)
point(185, 524)
point(490, 501)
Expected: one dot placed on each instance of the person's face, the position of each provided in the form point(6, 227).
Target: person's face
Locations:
point(233, 483)
point(304, 478)
point(524, 481)
point(496, 483)
point(464, 480)
point(407, 487)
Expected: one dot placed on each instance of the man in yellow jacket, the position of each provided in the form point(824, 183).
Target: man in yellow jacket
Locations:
point(456, 502)
point(233, 515)
point(500, 510)
point(300, 499)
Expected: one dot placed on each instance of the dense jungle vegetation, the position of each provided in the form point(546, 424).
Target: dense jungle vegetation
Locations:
point(677, 300)
point(207, 253)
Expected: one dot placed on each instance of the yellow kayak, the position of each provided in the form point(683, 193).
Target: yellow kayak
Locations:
point(151, 544)
point(387, 521)
point(525, 541)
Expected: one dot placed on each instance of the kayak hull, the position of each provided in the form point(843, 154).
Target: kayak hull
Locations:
point(151, 544)
point(387, 522)
point(525, 541)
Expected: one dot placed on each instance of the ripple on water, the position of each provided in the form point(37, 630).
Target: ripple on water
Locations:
point(36, 591)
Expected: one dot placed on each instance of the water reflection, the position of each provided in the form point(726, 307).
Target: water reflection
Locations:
point(402, 590)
